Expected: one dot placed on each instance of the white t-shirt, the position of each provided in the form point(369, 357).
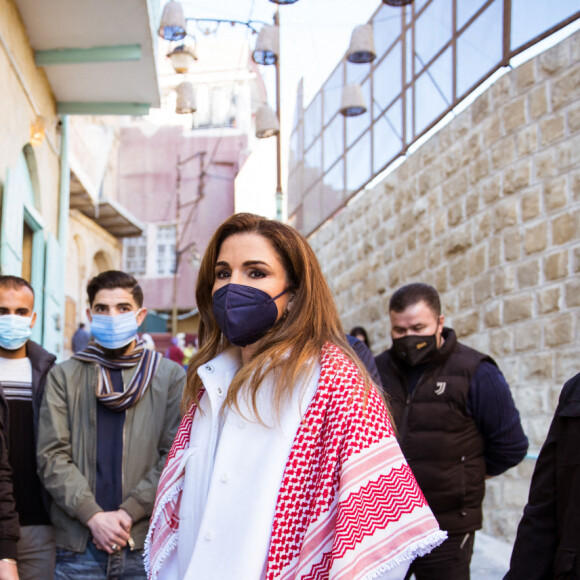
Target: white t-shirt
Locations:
point(16, 378)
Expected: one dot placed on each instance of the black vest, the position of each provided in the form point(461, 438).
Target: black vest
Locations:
point(439, 439)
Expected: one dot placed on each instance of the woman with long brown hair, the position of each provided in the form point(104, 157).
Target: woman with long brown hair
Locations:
point(285, 464)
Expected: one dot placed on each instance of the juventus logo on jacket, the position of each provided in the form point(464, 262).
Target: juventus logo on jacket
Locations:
point(440, 389)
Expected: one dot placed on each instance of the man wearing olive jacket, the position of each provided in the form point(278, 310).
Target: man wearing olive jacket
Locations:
point(456, 422)
point(106, 425)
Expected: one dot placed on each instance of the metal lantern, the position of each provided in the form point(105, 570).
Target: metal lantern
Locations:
point(267, 124)
point(362, 45)
point(397, 2)
point(37, 131)
point(182, 58)
point(267, 46)
point(352, 102)
point(172, 25)
point(185, 99)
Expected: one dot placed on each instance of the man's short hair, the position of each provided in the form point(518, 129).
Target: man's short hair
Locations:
point(414, 293)
point(112, 279)
point(15, 282)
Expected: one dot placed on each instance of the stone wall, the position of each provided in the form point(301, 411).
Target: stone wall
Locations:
point(487, 211)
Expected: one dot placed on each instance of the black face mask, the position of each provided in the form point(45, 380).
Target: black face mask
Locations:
point(415, 350)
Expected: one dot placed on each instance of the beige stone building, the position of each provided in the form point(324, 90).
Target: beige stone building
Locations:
point(488, 211)
point(57, 61)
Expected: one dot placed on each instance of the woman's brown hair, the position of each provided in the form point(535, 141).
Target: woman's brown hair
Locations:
point(294, 343)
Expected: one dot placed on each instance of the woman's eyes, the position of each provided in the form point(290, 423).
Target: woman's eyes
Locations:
point(224, 274)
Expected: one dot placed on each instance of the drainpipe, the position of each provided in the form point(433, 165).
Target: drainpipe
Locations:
point(63, 211)
point(64, 190)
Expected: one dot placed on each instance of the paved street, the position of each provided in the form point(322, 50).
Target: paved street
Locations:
point(490, 558)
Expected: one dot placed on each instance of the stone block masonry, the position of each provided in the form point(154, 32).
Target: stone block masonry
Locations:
point(488, 211)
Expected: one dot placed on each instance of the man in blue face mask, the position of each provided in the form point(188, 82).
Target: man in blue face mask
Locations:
point(24, 366)
point(106, 425)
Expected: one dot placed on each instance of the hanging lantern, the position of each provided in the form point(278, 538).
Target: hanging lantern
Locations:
point(172, 25)
point(185, 99)
point(267, 123)
point(267, 46)
point(37, 131)
point(182, 58)
point(362, 45)
point(397, 2)
point(352, 103)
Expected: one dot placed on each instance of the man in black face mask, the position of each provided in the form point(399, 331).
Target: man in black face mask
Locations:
point(456, 420)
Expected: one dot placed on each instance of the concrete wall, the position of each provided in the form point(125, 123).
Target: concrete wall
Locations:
point(488, 212)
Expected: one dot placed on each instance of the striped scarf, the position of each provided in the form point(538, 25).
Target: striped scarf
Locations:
point(147, 362)
point(348, 508)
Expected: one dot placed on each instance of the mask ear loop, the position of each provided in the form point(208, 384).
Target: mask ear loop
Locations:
point(281, 294)
point(436, 338)
point(286, 311)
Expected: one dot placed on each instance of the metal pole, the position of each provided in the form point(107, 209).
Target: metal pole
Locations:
point(177, 251)
point(279, 194)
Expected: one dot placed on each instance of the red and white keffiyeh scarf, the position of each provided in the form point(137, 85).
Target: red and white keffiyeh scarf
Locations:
point(348, 507)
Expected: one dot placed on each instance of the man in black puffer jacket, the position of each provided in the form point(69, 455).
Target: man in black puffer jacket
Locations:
point(456, 421)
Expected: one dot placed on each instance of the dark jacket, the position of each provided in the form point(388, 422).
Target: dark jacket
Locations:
point(548, 540)
point(41, 362)
point(437, 435)
point(366, 357)
point(9, 526)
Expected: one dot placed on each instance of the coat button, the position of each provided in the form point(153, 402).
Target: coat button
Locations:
point(220, 391)
point(462, 514)
point(224, 478)
point(463, 459)
point(208, 368)
point(209, 536)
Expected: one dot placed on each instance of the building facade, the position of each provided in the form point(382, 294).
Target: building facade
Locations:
point(57, 61)
point(487, 210)
point(177, 174)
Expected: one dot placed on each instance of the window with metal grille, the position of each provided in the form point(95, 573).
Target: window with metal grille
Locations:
point(166, 242)
point(135, 255)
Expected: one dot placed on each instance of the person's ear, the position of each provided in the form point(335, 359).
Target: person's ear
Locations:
point(89, 315)
point(141, 316)
point(33, 321)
